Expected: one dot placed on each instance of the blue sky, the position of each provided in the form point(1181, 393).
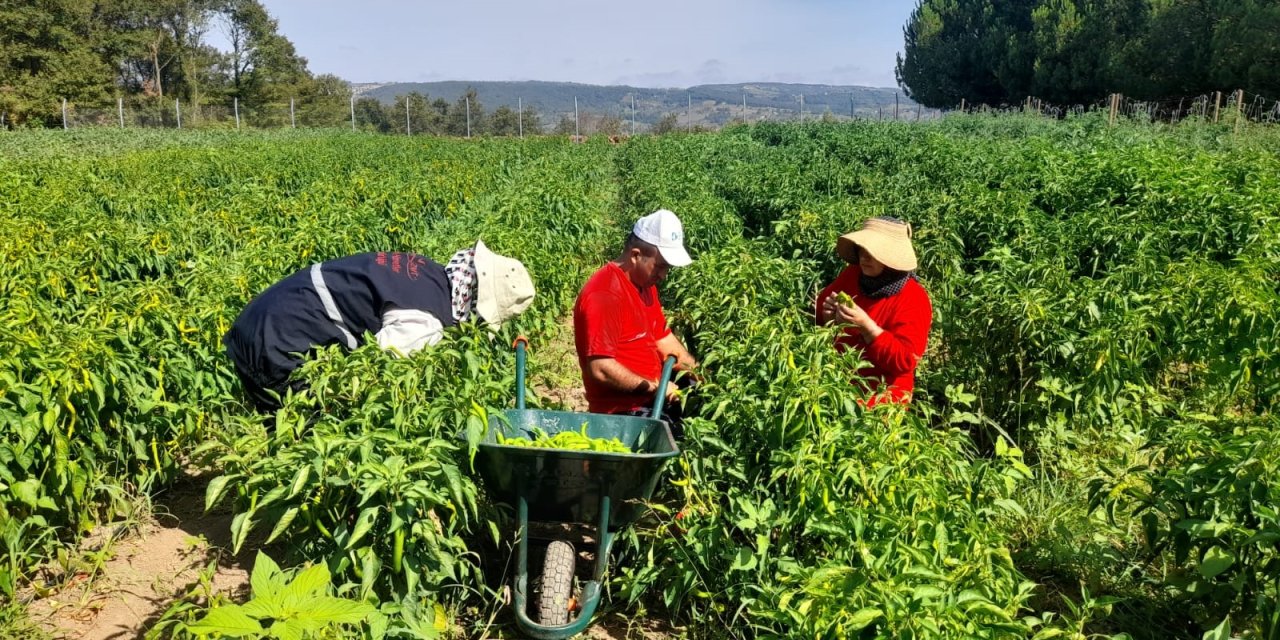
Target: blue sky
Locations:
point(659, 43)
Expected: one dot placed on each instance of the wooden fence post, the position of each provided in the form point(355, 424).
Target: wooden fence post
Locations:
point(1217, 102)
point(1239, 109)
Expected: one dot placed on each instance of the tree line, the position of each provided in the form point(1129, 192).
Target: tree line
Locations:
point(93, 52)
point(417, 113)
point(147, 55)
point(1079, 51)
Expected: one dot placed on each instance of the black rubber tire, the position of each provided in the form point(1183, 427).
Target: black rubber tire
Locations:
point(557, 584)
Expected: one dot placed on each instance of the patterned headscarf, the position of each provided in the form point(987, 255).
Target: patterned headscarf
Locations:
point(462, 281)
point(888, 283)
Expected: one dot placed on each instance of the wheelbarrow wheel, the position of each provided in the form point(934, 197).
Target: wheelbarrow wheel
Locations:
point(557, 584)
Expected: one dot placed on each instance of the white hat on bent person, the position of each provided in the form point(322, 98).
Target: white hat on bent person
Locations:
point(503, 286)
point(663, 230)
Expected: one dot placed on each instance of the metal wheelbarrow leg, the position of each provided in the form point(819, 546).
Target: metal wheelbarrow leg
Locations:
point(591, 591)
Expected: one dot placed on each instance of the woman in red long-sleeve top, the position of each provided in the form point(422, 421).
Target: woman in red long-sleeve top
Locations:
point(890, 318)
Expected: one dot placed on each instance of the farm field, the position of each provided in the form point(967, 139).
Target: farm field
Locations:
point(1093, 451)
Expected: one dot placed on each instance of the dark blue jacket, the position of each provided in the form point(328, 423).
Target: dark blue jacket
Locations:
point(269, 338)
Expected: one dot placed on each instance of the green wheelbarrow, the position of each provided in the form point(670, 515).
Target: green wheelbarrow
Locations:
point(571, 486)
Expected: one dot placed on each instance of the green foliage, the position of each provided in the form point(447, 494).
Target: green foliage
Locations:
point(284, 605)
point(375, 487)
point(1105, 310)
point(1073, 332)
point(1208, 498)
point(802, 512)
point(48, 53)
point(111, 367)
point(1078, 52)
point(149, 53)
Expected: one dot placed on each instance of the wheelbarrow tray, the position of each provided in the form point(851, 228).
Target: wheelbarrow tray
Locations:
point(566, 485)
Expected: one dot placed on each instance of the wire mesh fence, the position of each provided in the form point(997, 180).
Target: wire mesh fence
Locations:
point(1216, 107)
point(177, 114)
point(407, 116)
point(414, 115)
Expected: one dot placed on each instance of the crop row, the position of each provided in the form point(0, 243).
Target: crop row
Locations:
point(1104, 345)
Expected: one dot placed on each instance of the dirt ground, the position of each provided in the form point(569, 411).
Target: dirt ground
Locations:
point(150, 568)
point(617, 627)
point(553, 369)
point(162, 559)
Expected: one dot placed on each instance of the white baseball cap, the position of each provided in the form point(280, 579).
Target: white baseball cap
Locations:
point(663, 230)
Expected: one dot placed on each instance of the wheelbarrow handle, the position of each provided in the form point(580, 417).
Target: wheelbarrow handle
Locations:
point(667, 366)
point(521, 343)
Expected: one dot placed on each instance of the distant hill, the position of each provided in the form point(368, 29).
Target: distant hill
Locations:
point(709, 105)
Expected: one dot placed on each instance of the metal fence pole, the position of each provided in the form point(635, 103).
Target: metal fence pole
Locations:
point(802, 107)
point(64, 114)
point(633, 114)
point(576, 132)
point(520, 115)
point(120, 110)
point(467, 100)
point(408, 131)
point(177, 110)
point(236, 105)
point(688, 114)
point(353, 112)
point(293, 122)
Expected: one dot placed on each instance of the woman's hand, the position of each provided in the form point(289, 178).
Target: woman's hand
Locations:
point(852, 315)
point(828, 311)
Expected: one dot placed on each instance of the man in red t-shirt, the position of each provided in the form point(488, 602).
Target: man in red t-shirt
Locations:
point(619, 329)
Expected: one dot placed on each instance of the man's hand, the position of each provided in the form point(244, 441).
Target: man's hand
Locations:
point(673, 393)
point(671, 346)
point(650, 387)
point(612, 373)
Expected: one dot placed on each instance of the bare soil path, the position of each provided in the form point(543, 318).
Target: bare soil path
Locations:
point(553, 368)
point(163, 559)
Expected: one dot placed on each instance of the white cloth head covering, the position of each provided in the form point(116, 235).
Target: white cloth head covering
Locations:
point(503, 286)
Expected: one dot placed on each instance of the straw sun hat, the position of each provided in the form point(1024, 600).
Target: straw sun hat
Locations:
point(886, 239)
